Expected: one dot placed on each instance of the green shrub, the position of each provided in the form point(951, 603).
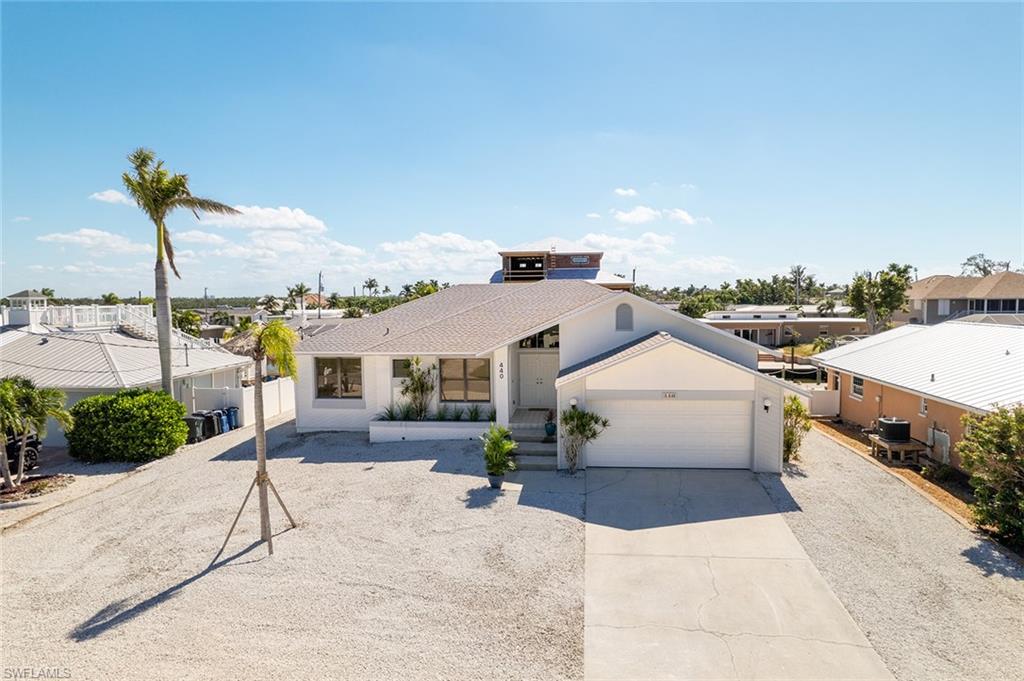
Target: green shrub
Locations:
point(993, 453)
point(579, 427)
point(473, 413)
point(131, 425)
point(498, 448)
point(457, 413)
point(796, 421)
point(443, 413)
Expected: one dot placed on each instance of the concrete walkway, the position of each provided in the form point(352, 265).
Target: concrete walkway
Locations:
point(694, 575)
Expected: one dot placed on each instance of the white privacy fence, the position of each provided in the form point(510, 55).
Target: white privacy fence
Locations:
point(821, 402)
point(278, 398)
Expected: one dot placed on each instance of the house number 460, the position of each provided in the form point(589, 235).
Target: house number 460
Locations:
point(501, 370)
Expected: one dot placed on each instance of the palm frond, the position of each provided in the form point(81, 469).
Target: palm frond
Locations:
point(169, 250)
point(278, 344)
point(198, 203)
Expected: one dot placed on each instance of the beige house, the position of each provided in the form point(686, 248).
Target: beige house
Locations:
point(942, 297)
point(930, 376)
point(780, 325)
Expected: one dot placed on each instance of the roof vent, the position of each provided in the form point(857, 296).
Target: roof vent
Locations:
point(933, 378)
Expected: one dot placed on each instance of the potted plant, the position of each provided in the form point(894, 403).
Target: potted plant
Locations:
point(498, 447)
point(549, 423)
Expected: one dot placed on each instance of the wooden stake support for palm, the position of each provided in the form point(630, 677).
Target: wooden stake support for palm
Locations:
point(263, 480)
point(256, 343)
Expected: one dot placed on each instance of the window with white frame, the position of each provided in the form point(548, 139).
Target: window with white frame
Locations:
point(857, 387)
point(922, 409)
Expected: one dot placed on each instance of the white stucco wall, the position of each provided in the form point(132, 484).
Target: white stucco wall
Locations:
point(380, 389)
point(592, 332)
point(768, 427)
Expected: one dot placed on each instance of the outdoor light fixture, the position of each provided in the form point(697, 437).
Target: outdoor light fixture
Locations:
point(573, 402)
point(767, 404)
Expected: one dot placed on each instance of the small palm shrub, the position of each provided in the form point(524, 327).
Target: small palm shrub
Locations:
point(131, 425)
point(418, 387)
point(492, 415)
point(796, 421)
point(443, 413)
point(407, 412)
point(993, 453)
point(473, 413)
point(578, 428)
point(389, 413)
point(498, 448)
point(457, 414)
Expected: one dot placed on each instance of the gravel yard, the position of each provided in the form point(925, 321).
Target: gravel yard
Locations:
point(404, 566)
point(937, 601)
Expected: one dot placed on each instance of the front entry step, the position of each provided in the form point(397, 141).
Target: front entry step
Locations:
point(535, 462)
point(536, 448)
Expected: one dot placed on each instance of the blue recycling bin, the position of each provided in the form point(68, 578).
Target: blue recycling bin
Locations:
point(233, 417)
point(225, 426)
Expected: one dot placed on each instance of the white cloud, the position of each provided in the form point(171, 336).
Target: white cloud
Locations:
point(705, 265)
point(680, 215)
point(687, 185)
point(22, 218)
point(259, 217)
point(111, 196)
point(638, 216)
point(195, 236)
point(97, 242)
point(594, 216)
point(89, 268)
point(627, 191)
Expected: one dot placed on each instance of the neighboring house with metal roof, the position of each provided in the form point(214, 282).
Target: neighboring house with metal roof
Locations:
point(501, 347)
point(86, 350)
point(929, 375)
point(942, 297)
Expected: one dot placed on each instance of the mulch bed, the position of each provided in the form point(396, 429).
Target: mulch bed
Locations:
point(34, 486)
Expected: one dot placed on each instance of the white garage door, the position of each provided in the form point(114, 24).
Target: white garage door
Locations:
point(673, 434)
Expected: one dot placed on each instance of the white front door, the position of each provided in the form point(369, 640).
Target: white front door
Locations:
point(537, 373)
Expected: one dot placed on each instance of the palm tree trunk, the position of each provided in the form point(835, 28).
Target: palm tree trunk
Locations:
point(261, 457)
point(21, 458)
point(5, 467)
point(163, 320)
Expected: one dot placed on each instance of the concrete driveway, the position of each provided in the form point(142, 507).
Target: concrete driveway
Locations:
point(692, 574)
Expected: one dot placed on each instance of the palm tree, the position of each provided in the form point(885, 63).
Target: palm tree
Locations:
point(35, 406)
point(274, 342)
point(371, 285)
point(159, 193)
point(110, 299)
point(387, 290)
point(268, 303)
point(241, 326)
point(334, 301)
point(48, 292)
point(796, 273)
point(8, 423)
point(299, 291)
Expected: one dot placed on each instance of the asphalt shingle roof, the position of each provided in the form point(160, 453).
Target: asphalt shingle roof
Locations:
point(463, 319)
point(92, 360)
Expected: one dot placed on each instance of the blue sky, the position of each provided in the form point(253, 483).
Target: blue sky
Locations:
point(694, 142)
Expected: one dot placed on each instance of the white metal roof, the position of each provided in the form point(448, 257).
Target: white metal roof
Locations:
point(97, 360)
point(978, 366)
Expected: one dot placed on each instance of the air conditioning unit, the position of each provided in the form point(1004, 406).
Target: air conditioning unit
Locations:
point(893, 429)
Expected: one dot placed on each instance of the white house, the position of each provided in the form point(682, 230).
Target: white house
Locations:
point(92, 349)
point(678, 392)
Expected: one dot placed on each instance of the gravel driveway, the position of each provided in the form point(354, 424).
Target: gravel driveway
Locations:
point(935, 600)
point(404, 566)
